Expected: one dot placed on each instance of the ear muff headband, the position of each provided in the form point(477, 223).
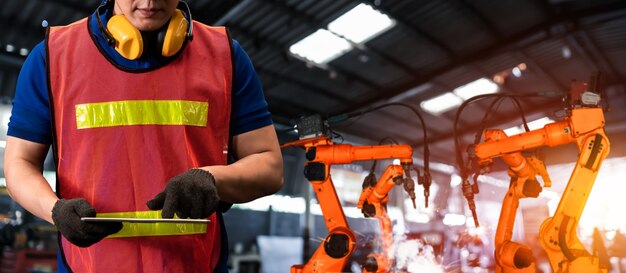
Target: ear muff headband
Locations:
point(126, 38)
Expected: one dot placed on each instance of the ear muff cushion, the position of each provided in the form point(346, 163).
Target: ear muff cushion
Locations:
point(175, 34)
point(128, 39)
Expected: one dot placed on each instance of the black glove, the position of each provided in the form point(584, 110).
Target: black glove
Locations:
point(66, 215)
point(190, 194)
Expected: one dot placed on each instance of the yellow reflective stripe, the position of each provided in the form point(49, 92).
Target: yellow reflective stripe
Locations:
point(152, 229)
point(141, 112)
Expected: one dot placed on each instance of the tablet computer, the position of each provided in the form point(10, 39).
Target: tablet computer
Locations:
point(145, 220)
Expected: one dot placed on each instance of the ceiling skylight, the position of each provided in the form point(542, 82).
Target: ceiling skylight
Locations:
point(450, 100)
point(440, 104)
point(533, 125)
point(353, 27)
point(475, 88)
point(361, 23)
point(320, 47)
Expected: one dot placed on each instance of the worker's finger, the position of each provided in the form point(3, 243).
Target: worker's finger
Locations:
point(182, 214)
point(183, 207)
point(169, 206)
point(196, 211)
point(198, 203)
point(83, 208)
point(157, 202)
point(206, 207)
point(211, 204)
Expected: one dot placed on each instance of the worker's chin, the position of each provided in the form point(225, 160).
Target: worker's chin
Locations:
point(149, 24)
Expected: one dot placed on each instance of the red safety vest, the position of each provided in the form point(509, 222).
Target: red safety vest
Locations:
point(120, 136)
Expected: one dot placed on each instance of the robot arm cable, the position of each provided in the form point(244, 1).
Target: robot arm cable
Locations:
point(470, 190)
point(424, 180)
point(414, 110)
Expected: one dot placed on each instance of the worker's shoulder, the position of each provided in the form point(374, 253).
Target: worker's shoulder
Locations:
point(34, 62)
point(74, 24)
point(216, 29)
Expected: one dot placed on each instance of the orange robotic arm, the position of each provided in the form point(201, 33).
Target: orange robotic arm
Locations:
point(321, 153)
point(585, 127)
point(511, 256)
point(373, 202)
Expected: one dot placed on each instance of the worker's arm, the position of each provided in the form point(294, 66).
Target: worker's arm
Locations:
point(23, 166)
point(257, 173)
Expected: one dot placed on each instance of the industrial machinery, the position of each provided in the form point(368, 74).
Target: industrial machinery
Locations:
point(321, 154)
point(373, 203)
point(584, 126)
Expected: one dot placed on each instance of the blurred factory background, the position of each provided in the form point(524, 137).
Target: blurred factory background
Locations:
point(432, 55)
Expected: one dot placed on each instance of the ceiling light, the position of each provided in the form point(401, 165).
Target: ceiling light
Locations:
point(516, 72)
point(475, 88)
point(361, 23)
point(498, 78)
point(566, 52)
point(10, 48)
point(320, 47)
point(533, 125)
point(442, 103)
point(23, 51)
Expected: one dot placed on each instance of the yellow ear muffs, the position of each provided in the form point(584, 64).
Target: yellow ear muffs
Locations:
point(175, 34)
point(128, 41)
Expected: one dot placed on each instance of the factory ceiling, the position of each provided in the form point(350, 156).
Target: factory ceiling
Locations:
point(432, 48)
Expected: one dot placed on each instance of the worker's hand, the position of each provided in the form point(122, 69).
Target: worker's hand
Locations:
point(190, 194)
point(66, 215)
